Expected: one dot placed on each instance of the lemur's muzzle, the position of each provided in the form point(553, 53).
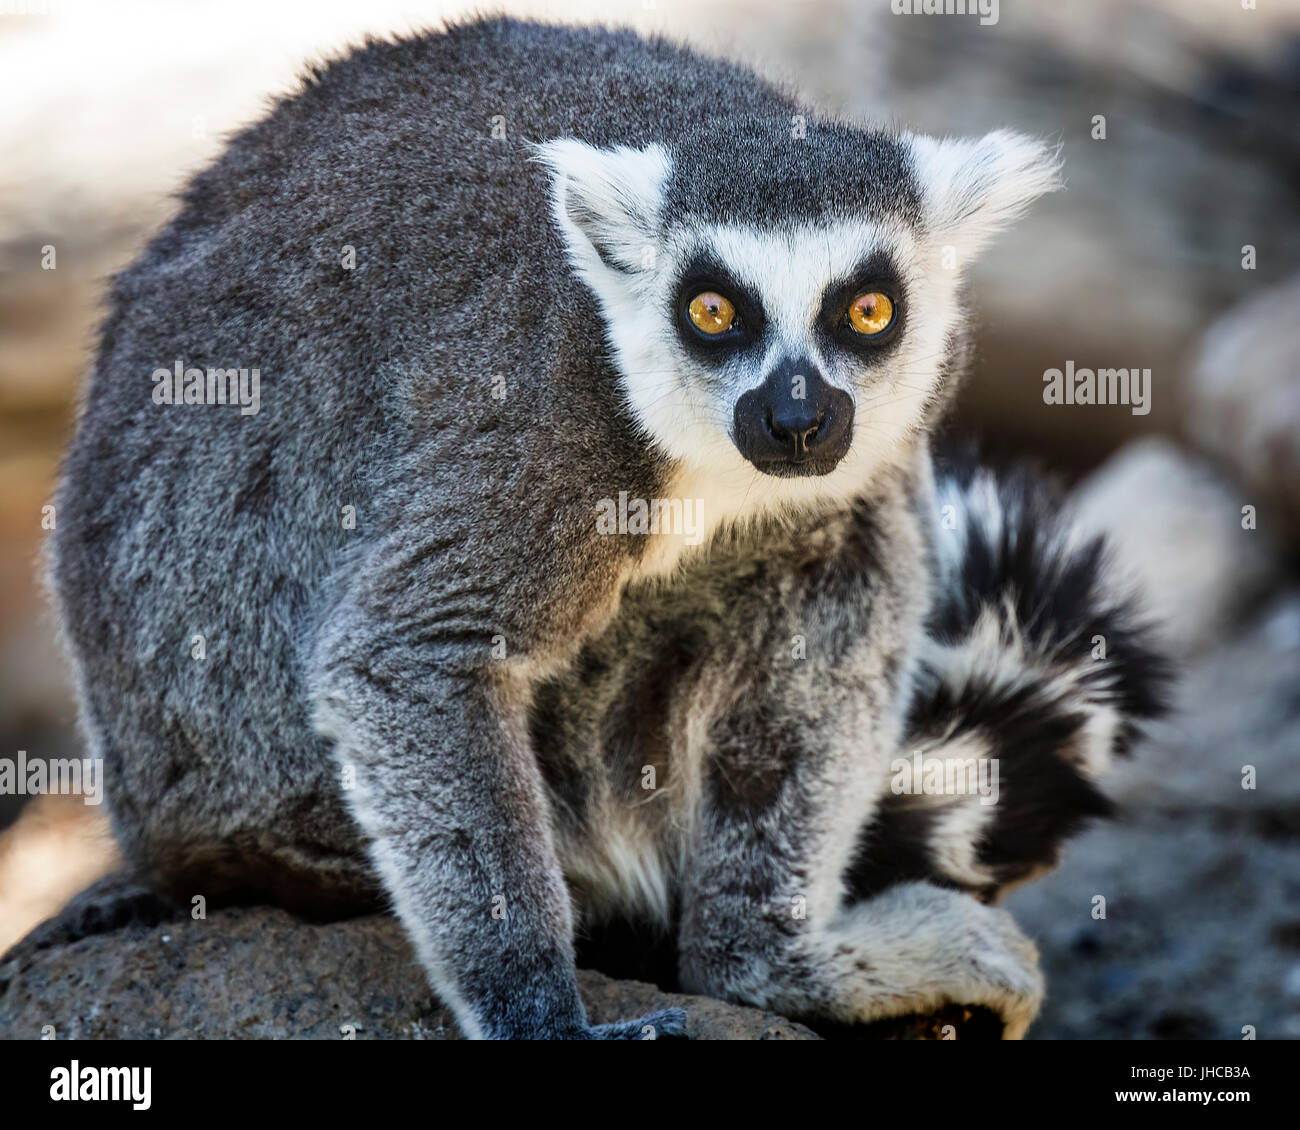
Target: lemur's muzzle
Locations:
point(794, 423)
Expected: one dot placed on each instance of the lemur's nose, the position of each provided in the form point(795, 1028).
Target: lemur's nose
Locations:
point(795, 423)
point(794, 426)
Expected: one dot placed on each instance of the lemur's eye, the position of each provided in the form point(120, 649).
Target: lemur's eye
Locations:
point(871, 313)
point(711, 313)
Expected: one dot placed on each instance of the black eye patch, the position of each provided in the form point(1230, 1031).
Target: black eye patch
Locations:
point(705, 273)
point(875, 273)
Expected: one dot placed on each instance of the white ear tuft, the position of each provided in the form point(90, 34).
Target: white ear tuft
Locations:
point(975, 187)
point(607, 201)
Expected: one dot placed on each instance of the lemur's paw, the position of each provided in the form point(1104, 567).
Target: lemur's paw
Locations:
point(666, 1024)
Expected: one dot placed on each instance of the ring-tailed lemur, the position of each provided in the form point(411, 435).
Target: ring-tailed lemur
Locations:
point(491, 280)
point(729, 764)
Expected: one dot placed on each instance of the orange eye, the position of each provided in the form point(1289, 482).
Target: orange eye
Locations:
point(871, 313)
point(711, 313)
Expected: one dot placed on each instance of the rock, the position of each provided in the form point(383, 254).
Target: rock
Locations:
point(1177, 532)
point(706, 1019)
point(1198, 942)
point(1234, 709)
point(1201, 876)
point(1244, 401)
point(260, 974)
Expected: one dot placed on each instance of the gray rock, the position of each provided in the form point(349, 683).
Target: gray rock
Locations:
point(1177, 530)
point(1201, 934)
point(260, 974)
point(1235, 709)
point(1244, 401)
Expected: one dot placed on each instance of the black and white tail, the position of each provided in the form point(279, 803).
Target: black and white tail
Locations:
point(1034, 675)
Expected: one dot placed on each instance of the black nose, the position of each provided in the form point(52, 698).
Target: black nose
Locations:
point(794, 423)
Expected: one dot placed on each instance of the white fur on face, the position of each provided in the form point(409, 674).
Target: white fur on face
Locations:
point(608, 205)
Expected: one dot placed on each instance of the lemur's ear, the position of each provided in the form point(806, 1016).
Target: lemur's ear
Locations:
point(974, 187)
point(606, 201)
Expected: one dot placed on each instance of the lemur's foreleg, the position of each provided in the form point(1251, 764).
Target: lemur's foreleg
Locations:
point(765, 920)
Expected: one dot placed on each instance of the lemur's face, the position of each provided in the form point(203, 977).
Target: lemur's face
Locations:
point(785, 303)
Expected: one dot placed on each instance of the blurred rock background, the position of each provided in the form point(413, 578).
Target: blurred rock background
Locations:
point(109, 107)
